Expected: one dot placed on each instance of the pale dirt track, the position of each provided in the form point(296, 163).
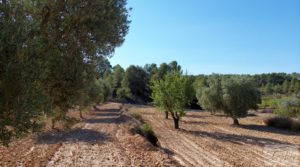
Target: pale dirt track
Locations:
point(207, 140)
point(105, 139)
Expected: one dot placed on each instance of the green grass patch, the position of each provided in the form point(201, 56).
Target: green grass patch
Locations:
point(145, 129)
point(149, 133)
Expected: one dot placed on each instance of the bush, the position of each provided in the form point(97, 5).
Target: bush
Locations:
point(283, 123)
point(124, 93)
point(269, 102)
point(149, 134)
point(138, 117)
point(144, 129)
point(288, 107)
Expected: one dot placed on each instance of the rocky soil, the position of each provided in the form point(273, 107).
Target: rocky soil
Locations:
point(106, 138)
point(211, 140)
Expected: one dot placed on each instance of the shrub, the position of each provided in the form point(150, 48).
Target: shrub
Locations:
point(288, 107)
point(283, 123)
point(124, 93)
point(269, 102)
point(149, 134)
point(144, 129)
point(138, 117)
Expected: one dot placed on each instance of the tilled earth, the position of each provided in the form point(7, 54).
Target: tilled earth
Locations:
point(105, 139)
point(211, 140)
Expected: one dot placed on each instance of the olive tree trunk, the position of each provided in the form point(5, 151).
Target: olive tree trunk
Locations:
point(176, 118)
point(235, 121)
point(176, 123)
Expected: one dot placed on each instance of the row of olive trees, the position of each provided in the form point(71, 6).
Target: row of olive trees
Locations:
point(232, 95)
point(51, 58)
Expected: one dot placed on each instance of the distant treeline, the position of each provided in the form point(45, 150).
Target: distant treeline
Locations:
point(134, 82)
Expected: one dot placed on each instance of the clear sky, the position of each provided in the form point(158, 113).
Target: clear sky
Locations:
point(221, 36)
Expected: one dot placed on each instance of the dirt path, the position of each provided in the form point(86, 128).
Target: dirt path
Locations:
point(94, 144)
point(105, 139)
point(206, 140)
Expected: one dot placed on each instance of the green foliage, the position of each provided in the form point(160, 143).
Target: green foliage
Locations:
point(170, 95)
point(137, 116)
point(189, 89)
point(289, 107)
point(151, 69)
point(164, 69)
point(114, 78)
point(50, 53)
point(124, 93)
point(269, 102)
point(137, 81)
point(232, 95)
point(149, 133)
point(239, 96)
point(210, 97)
point(145, 129)
point(20, 68)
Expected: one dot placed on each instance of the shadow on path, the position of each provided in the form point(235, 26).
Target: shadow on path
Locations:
point(116, 120)
point(106, 114)
point(75, 135)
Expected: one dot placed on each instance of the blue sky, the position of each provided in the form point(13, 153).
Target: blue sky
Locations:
point(221, 36)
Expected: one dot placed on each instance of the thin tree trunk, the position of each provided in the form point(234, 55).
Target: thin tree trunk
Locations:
point(52, 123)
point(80, 114)
point(95, 108)
point(176, 123)
point(235, 121)
point(166, 114)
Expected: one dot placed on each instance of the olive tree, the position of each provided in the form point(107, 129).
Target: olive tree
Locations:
point(234, 96)
point(170, 95)
point(239, 95)
point(209, 94)
point(47, 47)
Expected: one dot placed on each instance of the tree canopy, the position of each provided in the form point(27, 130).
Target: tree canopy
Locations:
point(170, 95)
point(234, 96)
point(50, 51)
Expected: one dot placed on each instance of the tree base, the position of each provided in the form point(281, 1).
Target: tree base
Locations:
point(236, 122)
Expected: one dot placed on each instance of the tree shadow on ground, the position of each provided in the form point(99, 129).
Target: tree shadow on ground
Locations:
point(167, 151)
point(116, 120)
point(263, 128)
point(106, 110)
point(194, 122)
point(226, 116)
point(195, 116)
point(146, 113)
point(236, 139)
point(75, 135)
point(106, 114)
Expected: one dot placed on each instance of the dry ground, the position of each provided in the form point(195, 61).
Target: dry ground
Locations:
point(207, 140)
point(104, 139)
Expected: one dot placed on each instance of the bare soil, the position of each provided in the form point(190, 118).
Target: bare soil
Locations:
point(211, 140)
point(105, 138)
